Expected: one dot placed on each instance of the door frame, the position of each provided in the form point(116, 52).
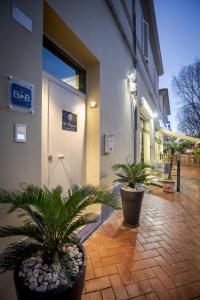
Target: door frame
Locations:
point(46, 78)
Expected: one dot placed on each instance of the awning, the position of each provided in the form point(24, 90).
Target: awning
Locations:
point(179, 135)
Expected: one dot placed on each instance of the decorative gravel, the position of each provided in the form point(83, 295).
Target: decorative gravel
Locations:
point(137, 188)
point(41, 277)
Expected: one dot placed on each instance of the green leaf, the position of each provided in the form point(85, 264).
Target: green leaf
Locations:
point(32, 231)
point(13, 255)
point(132, 173)
point(83, 220)
point(50, 219)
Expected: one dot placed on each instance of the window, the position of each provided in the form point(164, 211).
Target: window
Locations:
point(58, 64)
point(145, 39)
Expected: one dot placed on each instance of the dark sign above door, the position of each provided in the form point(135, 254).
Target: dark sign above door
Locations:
point(69, 121)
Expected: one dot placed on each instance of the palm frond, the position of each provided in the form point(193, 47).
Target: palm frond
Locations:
point(32, 231)
point(132, 173)
point(13, 255)
point(49, 219)
point(83, 220)
point(72, 239)
point(82, 197)
point(7, 197)
point(33, 216)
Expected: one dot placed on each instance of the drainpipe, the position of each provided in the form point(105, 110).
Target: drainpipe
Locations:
point(135, 133)
point(152, 140)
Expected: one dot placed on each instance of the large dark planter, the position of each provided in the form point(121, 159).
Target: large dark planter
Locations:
point(131, 204)
point(61, 293)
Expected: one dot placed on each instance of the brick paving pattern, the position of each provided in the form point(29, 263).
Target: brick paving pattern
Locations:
point(158, 260)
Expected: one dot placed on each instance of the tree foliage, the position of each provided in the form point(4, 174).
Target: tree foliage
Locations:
point(187, 87)
point(172, 146)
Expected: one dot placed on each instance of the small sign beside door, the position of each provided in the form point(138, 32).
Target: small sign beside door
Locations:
point(69, 121)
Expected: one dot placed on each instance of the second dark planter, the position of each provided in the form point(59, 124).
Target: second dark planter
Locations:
point(131, 204)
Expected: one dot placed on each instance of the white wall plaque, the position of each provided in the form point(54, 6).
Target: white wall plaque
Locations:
point(20, 133)
point(108, 143)
point(21, 18)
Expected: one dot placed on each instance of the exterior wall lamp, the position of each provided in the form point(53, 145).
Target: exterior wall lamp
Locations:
point(93, 104)
point(132, 82)
point(155, 115)
point(132, 75)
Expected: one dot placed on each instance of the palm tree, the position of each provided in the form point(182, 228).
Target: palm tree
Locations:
point(50, 221)
point(132, 173)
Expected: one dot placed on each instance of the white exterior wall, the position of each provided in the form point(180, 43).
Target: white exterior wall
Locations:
point(92, 22)
point(21, 56)
point(145, 82)
point(105, 42)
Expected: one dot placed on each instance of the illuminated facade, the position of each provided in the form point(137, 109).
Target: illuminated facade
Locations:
point(94, 67)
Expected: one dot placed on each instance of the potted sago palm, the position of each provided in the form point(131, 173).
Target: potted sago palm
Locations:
point(132, 192)
point(50, 262)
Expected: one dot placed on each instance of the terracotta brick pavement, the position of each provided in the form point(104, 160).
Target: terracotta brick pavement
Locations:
point(158, 260)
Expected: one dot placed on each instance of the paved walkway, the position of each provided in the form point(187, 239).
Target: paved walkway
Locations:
point(160, 259)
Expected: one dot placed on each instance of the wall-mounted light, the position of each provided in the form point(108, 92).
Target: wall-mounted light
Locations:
point(132, 81)
point(93, 104)
point(155, 115)
point(132, 75)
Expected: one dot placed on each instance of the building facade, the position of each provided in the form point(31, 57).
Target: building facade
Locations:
point(94, 67)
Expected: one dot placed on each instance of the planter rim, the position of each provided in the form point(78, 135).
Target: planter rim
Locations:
point(59, 289)
point(169, 180)
point(130, 190)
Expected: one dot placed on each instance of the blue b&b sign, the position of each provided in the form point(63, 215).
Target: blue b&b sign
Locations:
point(21, 95)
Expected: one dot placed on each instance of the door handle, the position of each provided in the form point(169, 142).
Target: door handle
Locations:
point(61, 156)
